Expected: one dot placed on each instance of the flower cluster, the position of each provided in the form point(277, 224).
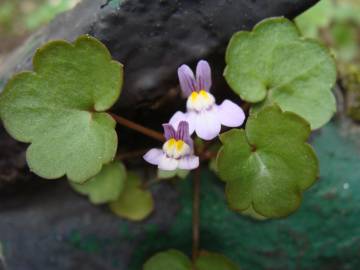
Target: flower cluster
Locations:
point(203, 116)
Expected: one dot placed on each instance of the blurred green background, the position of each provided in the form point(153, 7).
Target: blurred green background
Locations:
point(337, 24)
point(19, 18)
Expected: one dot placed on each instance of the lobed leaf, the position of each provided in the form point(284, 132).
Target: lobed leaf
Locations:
point(166, 260)
point(106, 186)
point(214, 261)
point(59, 109)
point(268, 165)
point(250, 212)
point(176, 260)
point(134, 203)
point(273, 64)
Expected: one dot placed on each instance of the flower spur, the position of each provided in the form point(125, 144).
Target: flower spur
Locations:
point(204, 116)
point(177, 152)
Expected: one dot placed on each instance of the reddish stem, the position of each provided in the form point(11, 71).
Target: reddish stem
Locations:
point(144, 130)
point(196, 215)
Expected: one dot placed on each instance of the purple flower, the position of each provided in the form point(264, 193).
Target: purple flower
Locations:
point(204, 116)
point(177, 152)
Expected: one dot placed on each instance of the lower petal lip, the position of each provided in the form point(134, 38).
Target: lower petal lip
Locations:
point(168, 164)
point(189, 162)
point(207, 124)
point(153, 156)
point(230, 114)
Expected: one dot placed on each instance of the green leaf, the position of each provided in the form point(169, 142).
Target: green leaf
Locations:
point(59, 109)
point(214, 261)
point(176, 260)
point(268, 165)
point(168, 260)
point(250, 212)
point(316, 17)
point(213, 166)
point(274, 64)
point(106, 186)
point(345, 39)
point(134, 202)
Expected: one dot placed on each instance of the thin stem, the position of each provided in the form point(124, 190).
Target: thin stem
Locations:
point(196, 215)
point(139, 128)
point(207, 155)
point(246, 106)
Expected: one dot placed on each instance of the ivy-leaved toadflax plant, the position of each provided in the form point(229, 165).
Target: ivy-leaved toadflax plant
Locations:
point(62, 110)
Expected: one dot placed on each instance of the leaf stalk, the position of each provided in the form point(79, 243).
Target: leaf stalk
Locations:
point(139, 128)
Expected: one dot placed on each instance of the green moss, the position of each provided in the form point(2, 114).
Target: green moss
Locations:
point(88, 243)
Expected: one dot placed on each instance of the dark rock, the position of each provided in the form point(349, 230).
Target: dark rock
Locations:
point(13, 165)
point(152, 38)
point(54, 228)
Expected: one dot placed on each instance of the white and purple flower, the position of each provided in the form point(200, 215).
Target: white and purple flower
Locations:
point(204, 116)
point(177, 152)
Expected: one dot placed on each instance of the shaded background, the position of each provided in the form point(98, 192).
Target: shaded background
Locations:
point(45, 225)
point(19, 18)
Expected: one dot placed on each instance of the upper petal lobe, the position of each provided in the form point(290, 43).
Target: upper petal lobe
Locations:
point(186, 79)
point(203, 76)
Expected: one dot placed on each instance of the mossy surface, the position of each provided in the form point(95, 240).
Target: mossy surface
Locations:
point(322, 234)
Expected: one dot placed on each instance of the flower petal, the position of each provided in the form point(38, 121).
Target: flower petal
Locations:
point(189, 163)
point(168, 164)
point(203, 75)
point(186, 79)
point(169, 131)
point(208, 125)
point(230, 114)
point(180, 116)
point(153, 156)
point(182, 132)
point(191, 119)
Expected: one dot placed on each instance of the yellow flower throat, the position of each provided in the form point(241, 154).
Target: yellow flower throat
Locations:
point(176, 148)
point(199, 101)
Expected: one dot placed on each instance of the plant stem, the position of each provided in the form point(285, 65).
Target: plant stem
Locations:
point(208, 155)
point(139, 128)
point(196, 215)
point(246, 107)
